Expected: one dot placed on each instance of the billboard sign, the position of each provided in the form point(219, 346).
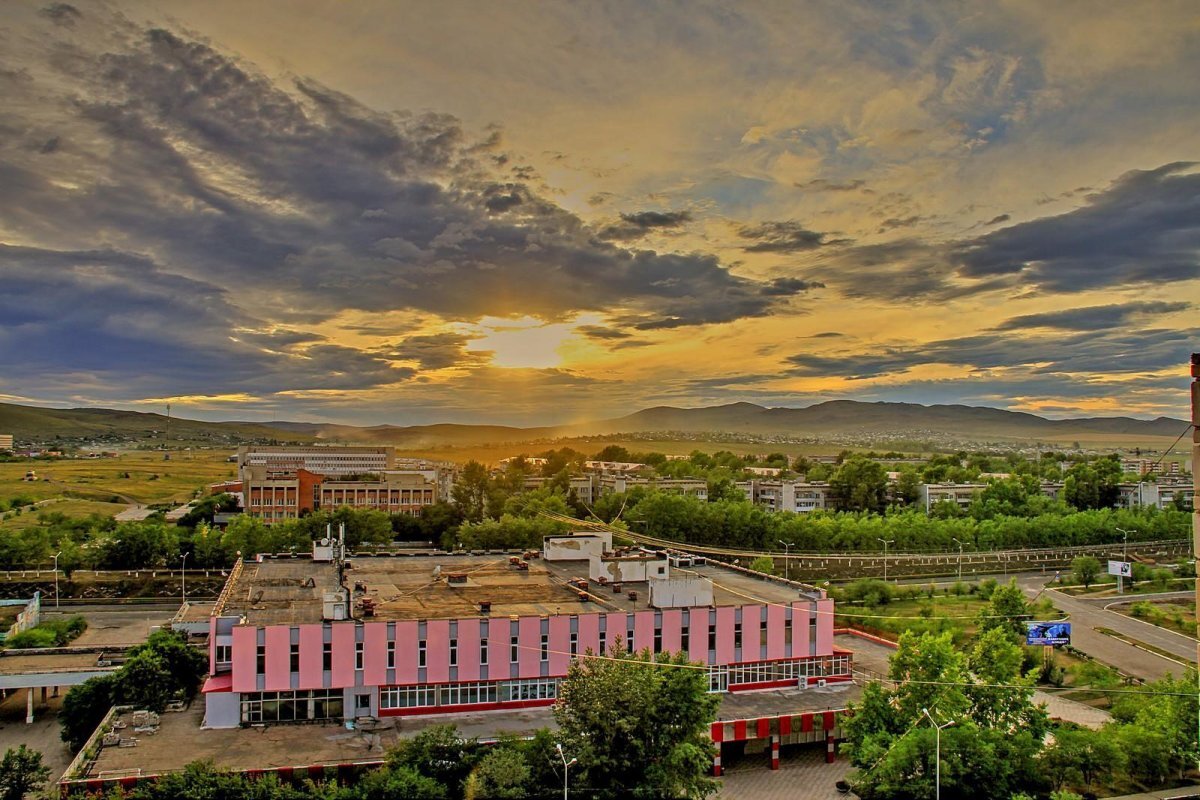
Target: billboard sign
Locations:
point(1122, 569)
point(1048, 633)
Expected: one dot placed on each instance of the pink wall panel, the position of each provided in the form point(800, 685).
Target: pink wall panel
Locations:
point(618, 628)
point(437, 648)
point(529, 651)
point(343, 654)
point(698, 635)
point(643, 630)
point(725, 624)
point(560, 644)
point(824, 627)
point(800, 622)
point(672, 627)
point(311, 660)
point(751, 633)
point(375, 653)
point(468, 650)
point(245, 641)
point(406, 651)
point(776, 627)
point(278, 658)
point(589, 633)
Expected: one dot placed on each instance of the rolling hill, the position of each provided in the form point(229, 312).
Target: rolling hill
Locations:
point(837, 417)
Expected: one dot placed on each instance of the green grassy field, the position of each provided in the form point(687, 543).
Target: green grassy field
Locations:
point(151, 479)
point(71, 508)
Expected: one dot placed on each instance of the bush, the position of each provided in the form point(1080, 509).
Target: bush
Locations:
point(53, 633)
point(869, 591)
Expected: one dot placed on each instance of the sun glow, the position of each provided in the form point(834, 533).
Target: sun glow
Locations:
point(524, 342)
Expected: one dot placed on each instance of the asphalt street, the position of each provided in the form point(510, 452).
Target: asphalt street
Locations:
point(1088, 615)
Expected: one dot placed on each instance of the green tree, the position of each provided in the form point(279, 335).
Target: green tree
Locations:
point(503, 774)
point(764, 564)
point(83, 707)
point(437, 753)
point(1085, 569)
point(639, 725)
point(21, 772)
point(1007, 610)
point(859, 485)
point(1079, 756)
point(183, 663)
point(470, 493)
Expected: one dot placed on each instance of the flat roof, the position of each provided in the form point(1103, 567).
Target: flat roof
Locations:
point(290, 591)
point(179, 739)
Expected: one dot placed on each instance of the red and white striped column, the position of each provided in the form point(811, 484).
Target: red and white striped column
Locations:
point(775, 751)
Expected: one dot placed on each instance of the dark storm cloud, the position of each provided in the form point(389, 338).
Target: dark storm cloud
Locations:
point(1091, 318)
point(236, 204)
point(62, 13)
point(786, 287)
point(1145, 228)
point(437, 351)
point(996, 220)
point(823, 185)
point(635, 226)
point(782, 237)
point(106, 316)
point(1115, 352)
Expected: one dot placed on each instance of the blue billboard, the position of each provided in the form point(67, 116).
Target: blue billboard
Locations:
point(1048, 633)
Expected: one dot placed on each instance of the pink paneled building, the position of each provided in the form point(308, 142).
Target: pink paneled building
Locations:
point(297, 639)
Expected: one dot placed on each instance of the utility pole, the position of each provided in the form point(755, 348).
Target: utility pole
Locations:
point(938, 752)
point(566, 766)
point(183, 577)
point(1124, 559)
point(787, 563)
point(886, 542)
point(56, 555)
point(1196, 480)
point(960, 546)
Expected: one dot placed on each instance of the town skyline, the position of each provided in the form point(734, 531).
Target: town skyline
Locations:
point(542, 213)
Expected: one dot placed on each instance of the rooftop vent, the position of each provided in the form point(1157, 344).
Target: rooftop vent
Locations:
point(456, 578)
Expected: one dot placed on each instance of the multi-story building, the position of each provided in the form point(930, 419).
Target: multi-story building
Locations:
point(280, 483)
point(6, 441)
point(1143, 466)
point(799, 497)
point(961, 494)
point(297, 639)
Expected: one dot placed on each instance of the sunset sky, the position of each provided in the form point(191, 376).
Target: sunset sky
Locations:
point(535, 213)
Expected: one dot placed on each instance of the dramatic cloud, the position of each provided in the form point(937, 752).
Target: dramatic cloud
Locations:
point(1145, 228)
point(437, 351)
point(635, 226)
point(782, 237)
point(785, 287)
point(1092, 318)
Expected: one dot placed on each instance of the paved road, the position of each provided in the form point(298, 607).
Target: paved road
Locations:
point(1086, 616)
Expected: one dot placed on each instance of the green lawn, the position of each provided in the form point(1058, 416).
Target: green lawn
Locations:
point(151, 479)
point(71, 508)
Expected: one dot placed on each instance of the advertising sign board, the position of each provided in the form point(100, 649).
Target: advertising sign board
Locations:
point(1122, 569)
point(1048, 633)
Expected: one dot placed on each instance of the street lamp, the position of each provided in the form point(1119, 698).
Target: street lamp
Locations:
point(183, 577)
point(787, 564)
point(938, 752)
point(886, 542)
point(960, 547)
point(56, 555)
point(566, 766)
point(1124, 558)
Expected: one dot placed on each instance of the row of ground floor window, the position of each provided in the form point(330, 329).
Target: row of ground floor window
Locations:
point(330, 704)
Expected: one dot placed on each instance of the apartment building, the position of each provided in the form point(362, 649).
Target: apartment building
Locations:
point(800, 497)
point(6, 441)
point(960, 494)
point(299, 639)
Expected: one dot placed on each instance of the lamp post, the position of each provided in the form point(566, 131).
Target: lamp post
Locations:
point(960, 547)
point(937, 752)
point(183, 577)
point(566, 766)
point(56, 555)
point(886, 542)
point(1124, 558)
point(787, 553)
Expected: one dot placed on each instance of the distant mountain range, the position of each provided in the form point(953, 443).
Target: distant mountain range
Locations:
point(837, 417)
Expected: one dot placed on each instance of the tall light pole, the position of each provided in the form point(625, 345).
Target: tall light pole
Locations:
point(886, 542)
point(1124, 559)
point(938, 752)
point(56, 555)
point(183, 577)
point(787, 553)
point(566, 766)
point(960, 546)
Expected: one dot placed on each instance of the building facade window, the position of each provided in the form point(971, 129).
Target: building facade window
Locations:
point(260, 663)
point(358, 655)
point(391, 655)
point(421, 653)
point(259, 707)
point(454, 652)
point(294, 658)
point(483, 652)
point(327, 657)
